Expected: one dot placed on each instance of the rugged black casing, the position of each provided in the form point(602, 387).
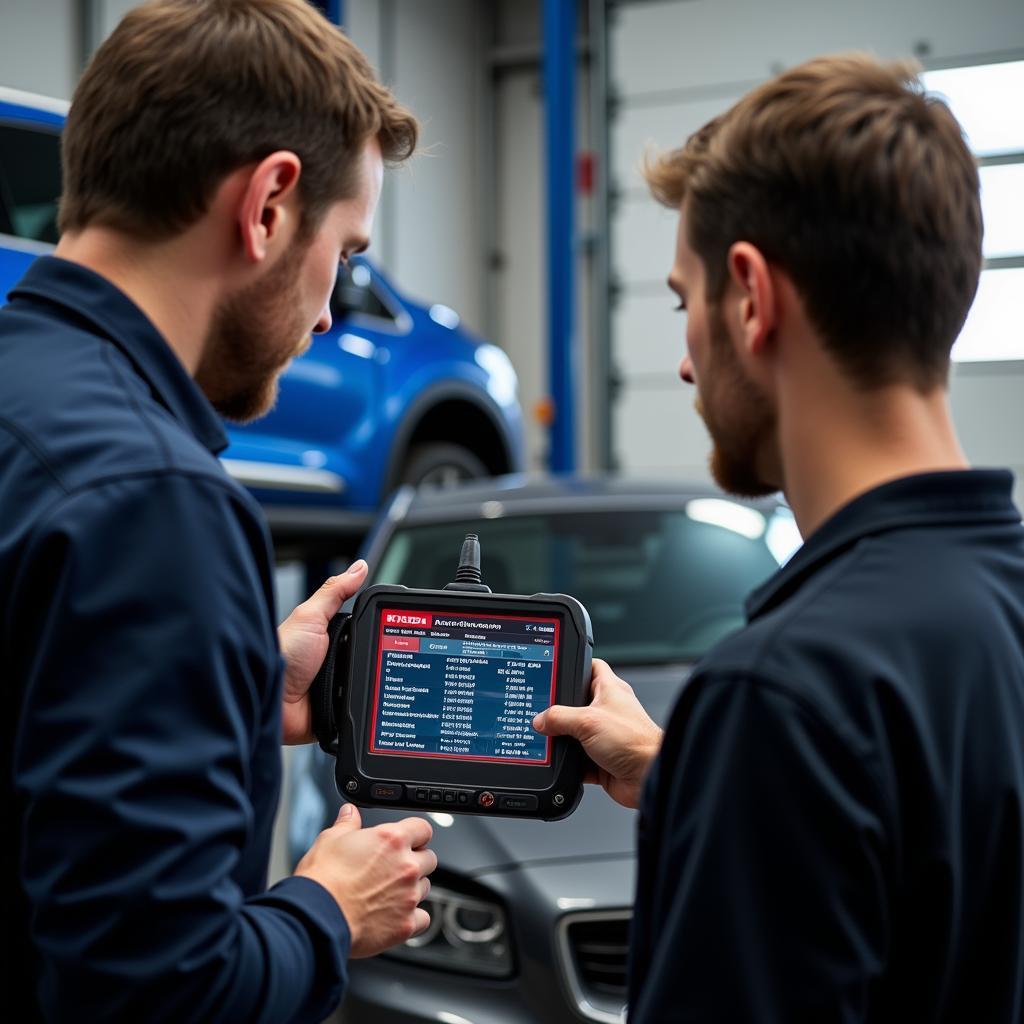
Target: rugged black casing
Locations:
point(343, 696)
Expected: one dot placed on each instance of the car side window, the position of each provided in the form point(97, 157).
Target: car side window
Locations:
point(355, 293)
point(30, 181)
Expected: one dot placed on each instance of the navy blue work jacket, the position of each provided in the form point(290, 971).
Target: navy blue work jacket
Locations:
point(833, 830)
point(142, 688)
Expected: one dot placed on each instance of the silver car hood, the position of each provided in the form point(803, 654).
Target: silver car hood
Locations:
point(598, 829)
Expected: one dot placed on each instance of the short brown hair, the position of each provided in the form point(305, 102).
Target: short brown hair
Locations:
point(858, 185)
point(184, 92)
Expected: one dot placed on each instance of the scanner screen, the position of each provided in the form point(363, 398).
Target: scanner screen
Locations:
point(463, 686)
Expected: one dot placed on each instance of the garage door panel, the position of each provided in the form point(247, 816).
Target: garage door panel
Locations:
point(695, 44)
point(659, 432)
point(638, 130)
point(648, 337)
point(643, 243)
point(677, 63)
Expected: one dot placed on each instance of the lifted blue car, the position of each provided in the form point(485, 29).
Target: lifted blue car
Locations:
point(394, 393)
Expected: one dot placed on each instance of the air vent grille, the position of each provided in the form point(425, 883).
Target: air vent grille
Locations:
point(596, 949)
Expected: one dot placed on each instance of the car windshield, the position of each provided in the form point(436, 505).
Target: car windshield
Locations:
point(660, 586)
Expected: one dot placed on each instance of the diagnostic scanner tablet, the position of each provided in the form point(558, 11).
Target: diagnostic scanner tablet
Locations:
point(427, 698)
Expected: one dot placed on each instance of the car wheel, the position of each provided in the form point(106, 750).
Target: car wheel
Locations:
point(441, 464)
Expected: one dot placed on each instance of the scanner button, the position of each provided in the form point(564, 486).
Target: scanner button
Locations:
point(422, 794)
point(508, 802)
point(385, 791)
point(435, 796)
point(463, 798)
point(449, 796)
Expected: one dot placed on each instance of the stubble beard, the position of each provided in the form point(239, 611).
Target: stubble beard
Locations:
point(740, 419)
point(253, 336)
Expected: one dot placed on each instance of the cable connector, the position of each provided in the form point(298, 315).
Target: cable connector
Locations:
point(468, 575)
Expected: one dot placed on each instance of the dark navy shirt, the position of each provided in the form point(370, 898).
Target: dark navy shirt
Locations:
point(142, 687)
point(833, 829)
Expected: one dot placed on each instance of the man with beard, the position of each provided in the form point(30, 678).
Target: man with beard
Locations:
point(831, 825)
point(220, 158)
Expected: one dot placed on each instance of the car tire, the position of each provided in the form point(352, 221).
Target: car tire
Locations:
point(441, 464)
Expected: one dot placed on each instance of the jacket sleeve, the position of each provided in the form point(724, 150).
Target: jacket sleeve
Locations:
point(766, 902)
point(150, 720)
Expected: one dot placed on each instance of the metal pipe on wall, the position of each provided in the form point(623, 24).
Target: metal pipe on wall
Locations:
point(603, 372)
point(560, 136)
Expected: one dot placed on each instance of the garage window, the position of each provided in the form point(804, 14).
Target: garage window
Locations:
point(980, 96)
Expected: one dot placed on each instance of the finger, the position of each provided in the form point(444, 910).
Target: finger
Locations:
point(560, 720)
point(349, 818)
point(338, 589)
point(416, 831)
point(424, 889)
point(603, 677)
point(421, 921)
point(426, 861)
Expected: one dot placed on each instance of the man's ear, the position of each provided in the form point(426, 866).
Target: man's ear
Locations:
point(756, 296)
point(268, 212)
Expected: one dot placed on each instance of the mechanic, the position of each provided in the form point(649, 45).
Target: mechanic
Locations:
point(220, 157)
point(831, 826)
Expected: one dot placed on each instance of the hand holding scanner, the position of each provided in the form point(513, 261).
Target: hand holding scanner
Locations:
point(427, 697)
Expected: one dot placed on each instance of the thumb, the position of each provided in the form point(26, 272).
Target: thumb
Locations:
point(338, 589)
point(349, 818)
point(560, 720)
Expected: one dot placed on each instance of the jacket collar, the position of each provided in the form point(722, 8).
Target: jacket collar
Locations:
point(923, 500)
point(84, 296)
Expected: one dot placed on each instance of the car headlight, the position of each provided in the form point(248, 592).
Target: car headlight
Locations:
point(466, 933)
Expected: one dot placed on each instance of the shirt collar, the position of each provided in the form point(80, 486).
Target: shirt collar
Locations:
point(88, 296)
point(923, 500)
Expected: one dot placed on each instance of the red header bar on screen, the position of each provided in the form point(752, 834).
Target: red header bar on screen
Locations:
point(419, 620)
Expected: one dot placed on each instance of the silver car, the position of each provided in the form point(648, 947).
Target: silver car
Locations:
point(530, 919)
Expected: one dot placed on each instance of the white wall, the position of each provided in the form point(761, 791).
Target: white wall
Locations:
point(677, 63)
point(110, 12)
point(39, 46)
point(430, 235)
point(519, 315)
point(520, 274)
point(42, 42)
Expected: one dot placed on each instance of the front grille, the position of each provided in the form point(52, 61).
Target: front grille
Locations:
point(595, 949)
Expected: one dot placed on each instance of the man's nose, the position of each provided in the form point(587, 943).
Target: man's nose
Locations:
point(686, 369)
point(323, 323)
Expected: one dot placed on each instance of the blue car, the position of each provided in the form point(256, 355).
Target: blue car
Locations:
point(395, 393)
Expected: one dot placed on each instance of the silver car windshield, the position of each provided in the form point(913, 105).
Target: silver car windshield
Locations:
point(660, 586)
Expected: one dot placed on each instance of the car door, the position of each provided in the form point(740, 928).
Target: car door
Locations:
point(327, 396)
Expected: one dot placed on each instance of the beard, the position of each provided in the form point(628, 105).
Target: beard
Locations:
point(739, 417)
point(253, 336)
